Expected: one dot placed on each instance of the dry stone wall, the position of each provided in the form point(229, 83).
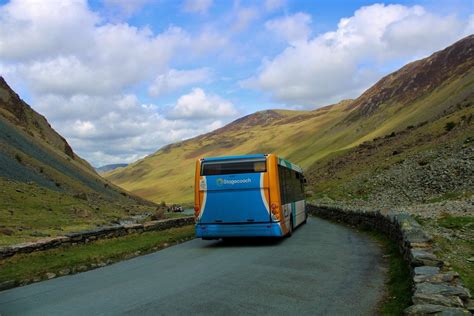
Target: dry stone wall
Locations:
point(91, 235)
point(434, 291)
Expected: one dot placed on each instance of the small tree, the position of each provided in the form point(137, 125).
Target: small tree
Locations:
point(449, 126)
point(18, 158)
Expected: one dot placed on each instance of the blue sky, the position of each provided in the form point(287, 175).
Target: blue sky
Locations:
point(119, 79)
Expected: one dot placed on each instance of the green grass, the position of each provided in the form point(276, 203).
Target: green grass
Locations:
point(34, 265)
point(458, 247)
point(456, 252)
point(28, 208)
point(456, 222)
point(399, 282)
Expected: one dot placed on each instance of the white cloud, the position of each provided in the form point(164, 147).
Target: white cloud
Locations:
point(176, 79)
point(293, 28)
point(62, 47)
point(340, 64)
point(35, 29)
point(244, 16)
point(120, 128)
point(125, 8)
point(84, 128)
point(199, 105)
point(272, 5)
point(470, 25)
point(77, 66)
point(108, 65)
point(197, 6)
point(410, 34)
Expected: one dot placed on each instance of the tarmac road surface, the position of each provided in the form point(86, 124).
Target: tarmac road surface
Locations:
point(323, 269)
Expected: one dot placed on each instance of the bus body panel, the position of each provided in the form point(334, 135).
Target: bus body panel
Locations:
point(238, 230)
point(235, 199)
point(296, 211)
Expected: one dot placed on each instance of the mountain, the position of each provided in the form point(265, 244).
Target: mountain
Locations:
point(45, 188)
point(417, 100)
point(111, 167)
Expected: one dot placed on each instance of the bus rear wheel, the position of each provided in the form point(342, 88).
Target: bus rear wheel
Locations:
point(290, 229)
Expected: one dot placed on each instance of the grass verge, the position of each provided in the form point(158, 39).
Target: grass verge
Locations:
point(456, 252)
point(454, 238)
point(27, 268)
point(398, 295)
point(456, 222)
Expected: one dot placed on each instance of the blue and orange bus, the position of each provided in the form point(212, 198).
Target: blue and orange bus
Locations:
point(246, 196)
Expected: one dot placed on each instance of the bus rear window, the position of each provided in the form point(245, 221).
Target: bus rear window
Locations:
point(233, 167)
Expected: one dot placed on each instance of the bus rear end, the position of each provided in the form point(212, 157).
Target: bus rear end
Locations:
point(232, 198)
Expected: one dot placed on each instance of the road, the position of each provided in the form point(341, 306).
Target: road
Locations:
point(323, 269)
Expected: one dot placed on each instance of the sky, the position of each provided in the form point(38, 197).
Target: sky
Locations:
point(119, 78)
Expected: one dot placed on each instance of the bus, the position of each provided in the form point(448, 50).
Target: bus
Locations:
point(248, 196)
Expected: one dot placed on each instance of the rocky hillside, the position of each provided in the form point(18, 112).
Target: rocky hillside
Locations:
point(428, 163)
point(45, 187)
point(415, 100)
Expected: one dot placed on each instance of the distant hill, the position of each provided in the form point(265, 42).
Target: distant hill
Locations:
point(111, 167)
point(426, 94)
point(45, 188)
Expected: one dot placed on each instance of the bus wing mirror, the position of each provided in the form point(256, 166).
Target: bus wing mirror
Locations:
point(305, 181)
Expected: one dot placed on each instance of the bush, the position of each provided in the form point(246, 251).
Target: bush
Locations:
point(449, 126)
point(18, 158)
point(158, 214)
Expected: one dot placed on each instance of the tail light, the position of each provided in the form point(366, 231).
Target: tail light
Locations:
point(196, 211)
point(275, 211)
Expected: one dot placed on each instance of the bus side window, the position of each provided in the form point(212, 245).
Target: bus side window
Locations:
point(288, 186)
point(281, 176)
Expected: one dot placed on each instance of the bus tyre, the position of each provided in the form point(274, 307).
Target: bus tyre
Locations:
point(305, 219)
point(290, 229)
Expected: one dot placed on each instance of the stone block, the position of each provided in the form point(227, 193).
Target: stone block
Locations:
point(437, 299)
point(429, 309)
point(442, 289)
point(422, 257)
point(448, 277)
point(426, 270)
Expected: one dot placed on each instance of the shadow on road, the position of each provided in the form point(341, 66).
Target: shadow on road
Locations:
point(246, 242)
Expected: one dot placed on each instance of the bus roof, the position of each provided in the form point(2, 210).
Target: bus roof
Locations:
point(234, 157)
point(289, 165)
point(281, 161)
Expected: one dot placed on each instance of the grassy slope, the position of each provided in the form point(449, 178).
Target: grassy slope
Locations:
point(302, 137)
point(46, 189)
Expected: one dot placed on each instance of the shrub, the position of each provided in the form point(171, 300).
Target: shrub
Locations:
point(18, 158)
point(449, 126)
